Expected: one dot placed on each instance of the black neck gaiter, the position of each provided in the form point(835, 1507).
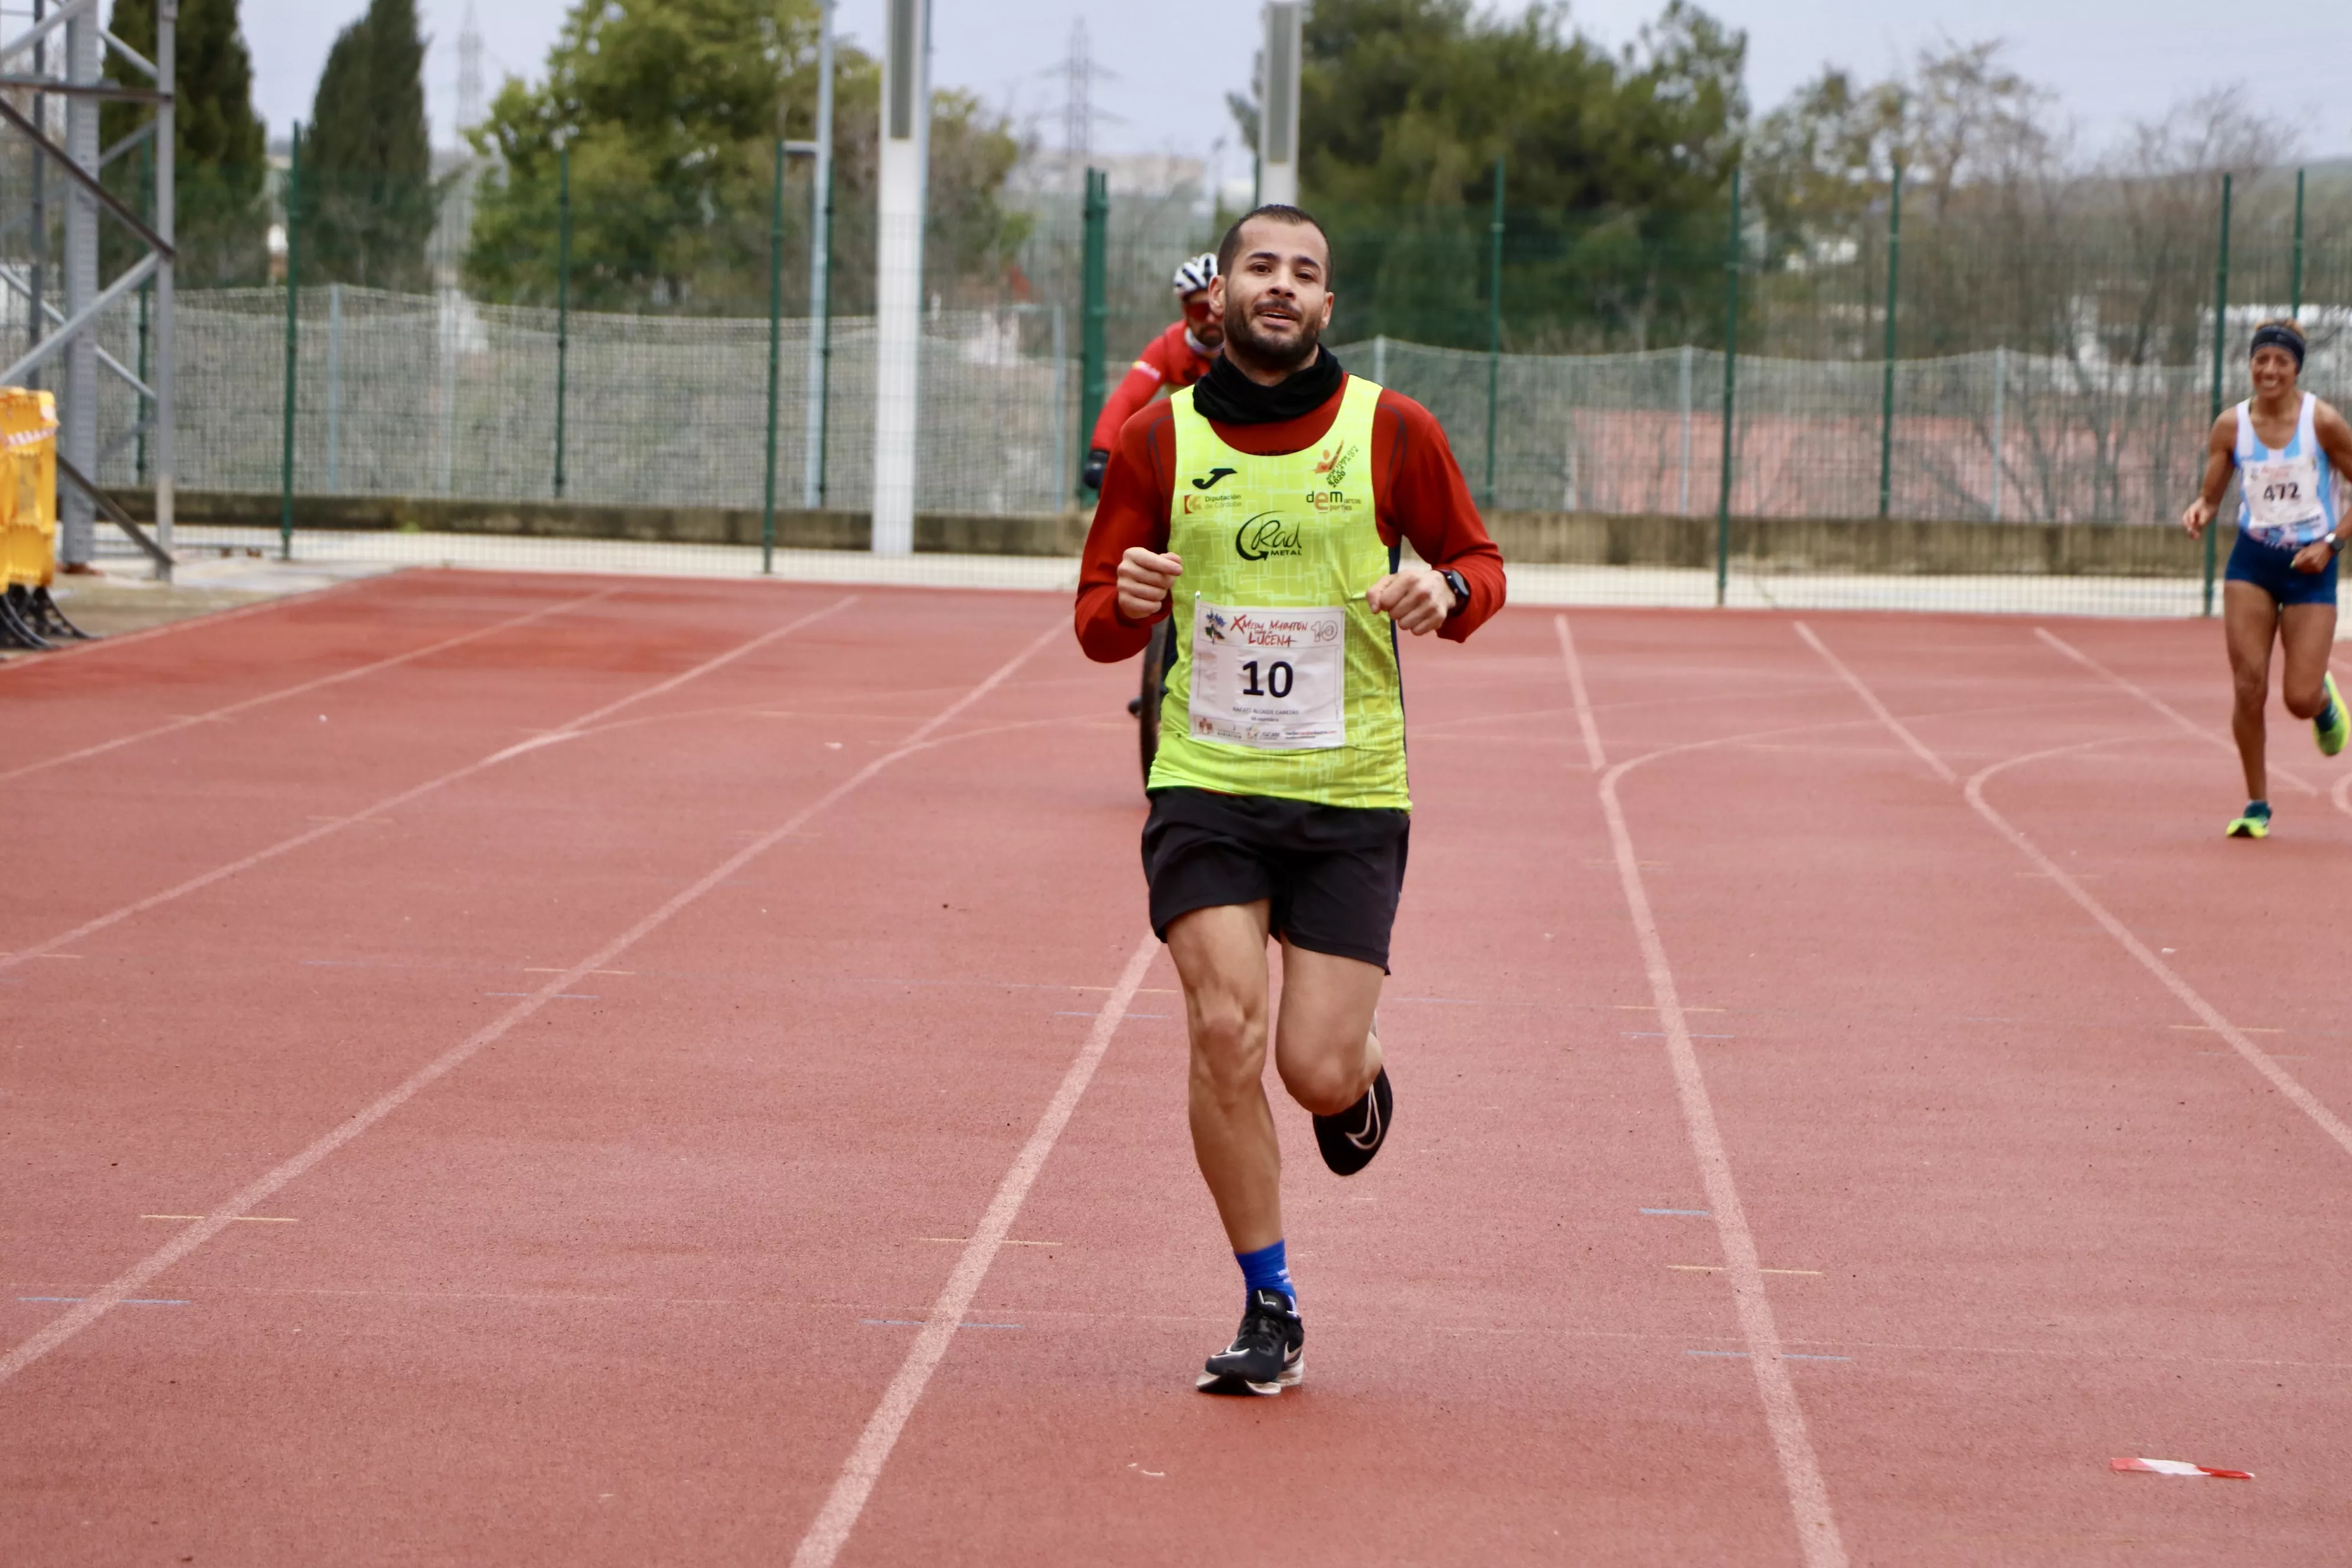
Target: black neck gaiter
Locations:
point(1229, 398)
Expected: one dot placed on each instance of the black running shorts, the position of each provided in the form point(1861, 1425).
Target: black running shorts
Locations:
point(1332, 873)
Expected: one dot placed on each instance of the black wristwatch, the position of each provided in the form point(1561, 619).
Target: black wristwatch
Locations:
point(1453, 580)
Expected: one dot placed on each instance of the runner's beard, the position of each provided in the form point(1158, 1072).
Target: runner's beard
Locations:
point(1288, 358)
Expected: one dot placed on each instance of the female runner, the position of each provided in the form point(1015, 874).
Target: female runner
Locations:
point(2289, 449)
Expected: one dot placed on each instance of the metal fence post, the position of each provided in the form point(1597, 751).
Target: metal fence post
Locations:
point(820, 363)
point(1682, 501)
point(293, 329)
point(451, 316)
point(146, 296)
point(334, 387)
point(1730, 379)
point(1493, 325)
point(562, 303)
point(1097, 307)
point(2221, 316)
point(825, 340)
point(1887, 392)
point(1061, 403)
point(164, 457)
point(2294, 267)
point(775, 360)
point(1999, 381)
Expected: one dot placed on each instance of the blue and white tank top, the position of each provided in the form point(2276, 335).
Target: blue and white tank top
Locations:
point(2286, 498)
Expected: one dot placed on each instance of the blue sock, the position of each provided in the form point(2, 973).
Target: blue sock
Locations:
point(1266, 1269)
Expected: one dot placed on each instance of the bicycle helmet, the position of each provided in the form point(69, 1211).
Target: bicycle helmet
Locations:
point(1196, 274)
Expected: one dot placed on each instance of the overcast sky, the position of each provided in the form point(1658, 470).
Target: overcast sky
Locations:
point(2111, 61)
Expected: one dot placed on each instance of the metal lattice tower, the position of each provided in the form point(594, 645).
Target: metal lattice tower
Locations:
point(469, 72)
point(30, 66)
point(1077, 101)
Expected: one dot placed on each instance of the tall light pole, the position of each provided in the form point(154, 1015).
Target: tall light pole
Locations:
point(1277, 120)
point(898, 287)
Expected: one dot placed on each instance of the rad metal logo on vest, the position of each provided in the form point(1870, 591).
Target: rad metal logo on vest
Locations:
point(1267, 535)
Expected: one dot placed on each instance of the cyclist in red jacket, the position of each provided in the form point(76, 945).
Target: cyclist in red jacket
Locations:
point(1175, 359)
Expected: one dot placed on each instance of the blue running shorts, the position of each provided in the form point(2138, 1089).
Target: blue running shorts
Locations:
point(2272, 569)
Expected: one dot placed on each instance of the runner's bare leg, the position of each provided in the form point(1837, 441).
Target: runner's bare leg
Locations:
point(2250, 619)
point(1219, 955)
point(2307, 636)
point(1324, 1046)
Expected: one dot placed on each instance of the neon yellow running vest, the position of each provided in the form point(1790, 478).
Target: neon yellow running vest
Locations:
point(1297, 676)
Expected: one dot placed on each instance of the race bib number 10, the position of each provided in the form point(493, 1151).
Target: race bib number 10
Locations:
point(1272, 680)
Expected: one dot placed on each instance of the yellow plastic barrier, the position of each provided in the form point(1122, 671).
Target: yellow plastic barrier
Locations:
point(29, 487)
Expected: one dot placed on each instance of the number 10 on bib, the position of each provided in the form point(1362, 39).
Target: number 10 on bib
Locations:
point(1272, 679)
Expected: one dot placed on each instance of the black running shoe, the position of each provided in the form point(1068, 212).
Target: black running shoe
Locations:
point(1350, 1140)
point(1268, 1353)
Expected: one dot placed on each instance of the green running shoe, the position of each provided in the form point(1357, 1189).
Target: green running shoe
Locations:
point(2333, 725)
point(2255, 823)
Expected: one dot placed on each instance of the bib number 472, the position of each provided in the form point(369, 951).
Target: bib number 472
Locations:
point(1278, 678)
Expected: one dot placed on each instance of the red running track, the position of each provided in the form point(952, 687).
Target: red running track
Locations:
point(680, 1076)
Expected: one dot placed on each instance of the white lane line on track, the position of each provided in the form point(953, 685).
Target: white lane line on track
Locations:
point(2262, 1061)
point(203, 879)
point(65, 1327)
point(1878, 709)
point(829, 1533)
point(1593, 757)
point(189, 721)
point(2161, 706)
point(1784, 1416)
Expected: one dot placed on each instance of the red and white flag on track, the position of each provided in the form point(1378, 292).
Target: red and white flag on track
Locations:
point(2179, 1468)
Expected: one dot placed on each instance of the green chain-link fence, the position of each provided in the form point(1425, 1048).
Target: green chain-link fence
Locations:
point(2037, 429)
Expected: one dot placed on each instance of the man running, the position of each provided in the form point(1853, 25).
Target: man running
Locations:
point(1175, 359)
point(2290, 451)
point(1269, 500)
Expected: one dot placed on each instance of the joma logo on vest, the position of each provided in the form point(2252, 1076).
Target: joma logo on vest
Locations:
point(1264, 536)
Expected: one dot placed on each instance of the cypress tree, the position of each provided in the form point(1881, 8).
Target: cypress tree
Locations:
point(369, 161)
point(222, 170)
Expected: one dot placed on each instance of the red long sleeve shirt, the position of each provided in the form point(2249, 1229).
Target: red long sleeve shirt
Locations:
point(1418, 494)
point(1169, 361)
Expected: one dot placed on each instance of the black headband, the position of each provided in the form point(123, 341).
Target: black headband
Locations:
point(2274, 335)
